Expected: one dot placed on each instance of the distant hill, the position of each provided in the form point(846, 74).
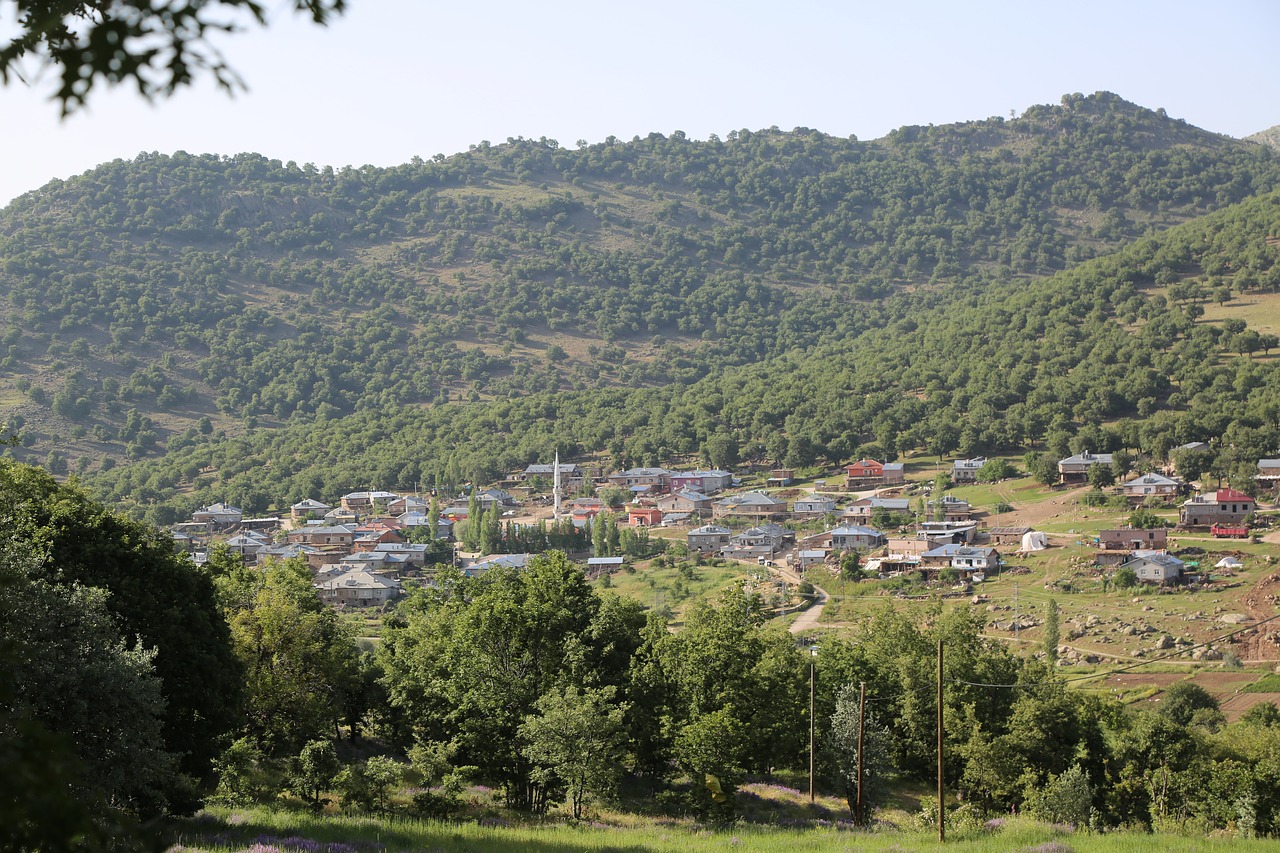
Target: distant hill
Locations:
point(160, 304)
point(1270, 136)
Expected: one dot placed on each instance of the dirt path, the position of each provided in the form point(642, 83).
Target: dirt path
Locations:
point(808, 620)
point(1034, 515)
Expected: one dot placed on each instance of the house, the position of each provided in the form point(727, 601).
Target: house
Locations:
point(754, 504)
point(895, 473)
point(218, 515)
point(808, 557)
point(865, 472)
point(1268, 473)
point(780, 477)
point(953, 509)
point(308, 509)
point(497, 561)
point(850, 537)
point(1007, 535)
point(644, 516)
point(571, 475)
point(774, 537)
point(359, 502)
point(1155, 567)
point(1133, 539)
point(861, 511)
point(706, 482)
point(1075, 469)
point(657, 479)
point(1224, 505)
point(684, 500)
point(966, 470)
point(1150, 486)
point(412, 553)
point(490, 497)
point(408, 503)
point(964, 558)
point(358, 588)
point(948, 531)
point(909, 546)
point(321, 534)
point(582, 510)
point(285, 552)
point(813, 506)
point(338, 515)
point(709, 539)
point(247, 544)
point(597, 565)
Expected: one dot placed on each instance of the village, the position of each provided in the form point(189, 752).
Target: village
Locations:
point(364, 549)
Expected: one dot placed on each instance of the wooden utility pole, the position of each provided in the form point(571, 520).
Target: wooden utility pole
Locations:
point(811, 694)
point(942, 813)
point(862, 719)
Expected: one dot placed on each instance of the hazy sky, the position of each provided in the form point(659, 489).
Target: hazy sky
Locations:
point(397, 78)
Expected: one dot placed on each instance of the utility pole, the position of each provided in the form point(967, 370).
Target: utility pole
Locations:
point(862, 719)
point(813, 653)
point(1017, 620)
point(942, 813)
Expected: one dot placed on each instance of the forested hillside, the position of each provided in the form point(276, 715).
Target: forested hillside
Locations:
point(648, 298)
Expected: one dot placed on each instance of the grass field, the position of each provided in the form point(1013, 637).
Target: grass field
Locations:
point(266, 831)
point(663, 586)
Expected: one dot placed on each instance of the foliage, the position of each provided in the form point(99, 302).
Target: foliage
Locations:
point(1125, 578)
point(846, 728)
point(1182, 700)
point(995, 470)
point(299, 659)
point(1144, 519)
point(577, 736)
point(162, 607)
point(73, 685)
point(158, 47)
point(470, 662)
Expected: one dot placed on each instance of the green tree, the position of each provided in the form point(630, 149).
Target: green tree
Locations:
point(154, 46)
point(842, 742)
point(712, 750)
point(470, 663)
point(69, 671)
point(314, 770)
point(1051, 634)
point(157, 598)
point(1183, 699)
point(299, 660)
point(577, 736)
point(1125, 578)
point(994, 470)
point(1144, 519)
point(1101, 476)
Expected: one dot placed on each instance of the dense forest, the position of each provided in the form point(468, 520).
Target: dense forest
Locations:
point(774, 295)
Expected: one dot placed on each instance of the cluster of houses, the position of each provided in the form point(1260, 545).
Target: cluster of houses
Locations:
point(359, 549)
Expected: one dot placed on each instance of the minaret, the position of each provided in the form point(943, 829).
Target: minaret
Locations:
point(556, 487)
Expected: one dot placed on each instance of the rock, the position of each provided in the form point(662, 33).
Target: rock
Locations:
point(1147, 607)
point(1234, 618)
point(1165, 642)
point(1212, 654)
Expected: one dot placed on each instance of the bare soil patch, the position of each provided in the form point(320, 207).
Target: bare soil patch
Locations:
point(1141, 679)
point(1237, 705)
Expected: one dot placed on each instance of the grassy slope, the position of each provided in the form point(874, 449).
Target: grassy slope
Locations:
point(275, 829)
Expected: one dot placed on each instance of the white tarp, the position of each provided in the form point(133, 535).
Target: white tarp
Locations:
point(1034, 541)
point(1227, 563)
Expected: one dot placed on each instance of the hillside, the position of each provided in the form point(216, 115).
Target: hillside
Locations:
point(158, 305)
point(1270, 137)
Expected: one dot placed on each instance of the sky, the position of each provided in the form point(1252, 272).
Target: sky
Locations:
point(394, 79)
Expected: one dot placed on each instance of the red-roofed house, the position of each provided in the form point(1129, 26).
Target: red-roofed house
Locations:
point(644, 516)
point(1224, 505)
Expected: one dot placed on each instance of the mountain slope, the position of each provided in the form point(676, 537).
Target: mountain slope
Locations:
point(154, 301)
